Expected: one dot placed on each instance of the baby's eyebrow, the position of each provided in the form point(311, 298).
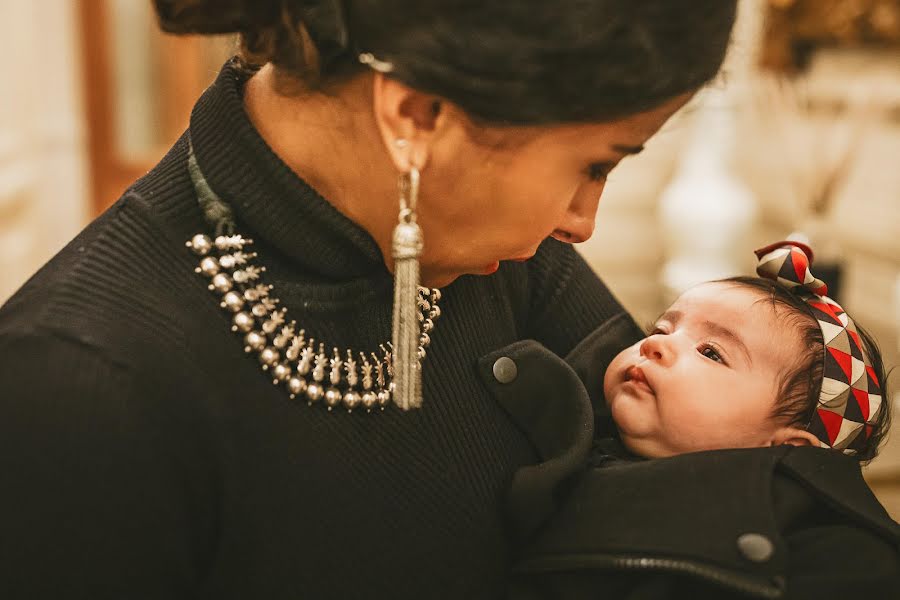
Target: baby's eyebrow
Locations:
point(717, 329)
point(672, 316)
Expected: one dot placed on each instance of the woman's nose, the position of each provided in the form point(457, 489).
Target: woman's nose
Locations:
point(657, 348)
point(574, 232)
point(577, 225)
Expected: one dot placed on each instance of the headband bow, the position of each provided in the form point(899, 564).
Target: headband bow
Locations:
point(851, 394)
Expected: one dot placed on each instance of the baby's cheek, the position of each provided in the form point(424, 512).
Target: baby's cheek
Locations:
point(609, 379)
point(708, 426)
point(689, 421)
point(615, 372)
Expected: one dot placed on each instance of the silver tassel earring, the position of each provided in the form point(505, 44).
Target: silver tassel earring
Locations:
point(407, 247)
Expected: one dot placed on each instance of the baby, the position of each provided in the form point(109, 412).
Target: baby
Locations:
point(749, 362)
point(745, 369)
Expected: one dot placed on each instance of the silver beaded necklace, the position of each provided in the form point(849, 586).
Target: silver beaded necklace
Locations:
point(343, 378)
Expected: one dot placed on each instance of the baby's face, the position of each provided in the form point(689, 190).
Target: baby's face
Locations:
point(707, 376)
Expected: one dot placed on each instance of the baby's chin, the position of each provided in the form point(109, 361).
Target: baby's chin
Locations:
point(631, 414)
point(640, 446)
point(636, 422)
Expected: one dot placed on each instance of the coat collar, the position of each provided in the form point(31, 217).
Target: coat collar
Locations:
point(554, 402)
point(837, 479)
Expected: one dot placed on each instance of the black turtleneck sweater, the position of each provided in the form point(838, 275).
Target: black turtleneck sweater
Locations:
point(144, 455)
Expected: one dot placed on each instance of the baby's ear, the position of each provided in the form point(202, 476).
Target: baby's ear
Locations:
point(794, 437)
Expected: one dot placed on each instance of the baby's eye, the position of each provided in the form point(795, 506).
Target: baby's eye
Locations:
point(652, 329)
point(712, 354)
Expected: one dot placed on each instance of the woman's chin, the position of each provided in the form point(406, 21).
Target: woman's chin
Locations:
point(439, 278)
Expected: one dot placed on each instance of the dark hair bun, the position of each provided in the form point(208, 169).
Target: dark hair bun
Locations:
point(216, 16)
point(526, 62)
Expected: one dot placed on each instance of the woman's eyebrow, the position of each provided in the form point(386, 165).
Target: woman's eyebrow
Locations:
point(721, 330)
point(626, 149)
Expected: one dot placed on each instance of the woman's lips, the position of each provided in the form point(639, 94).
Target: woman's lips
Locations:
point(636, 376)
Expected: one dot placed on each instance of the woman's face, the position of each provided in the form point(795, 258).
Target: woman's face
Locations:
point(489, 195)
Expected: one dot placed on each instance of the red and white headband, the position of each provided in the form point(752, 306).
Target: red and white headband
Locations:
point(851, 398)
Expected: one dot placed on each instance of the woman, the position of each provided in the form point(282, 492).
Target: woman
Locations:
point(146, 455)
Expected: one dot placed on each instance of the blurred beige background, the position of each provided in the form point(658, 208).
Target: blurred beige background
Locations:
point(92, 95)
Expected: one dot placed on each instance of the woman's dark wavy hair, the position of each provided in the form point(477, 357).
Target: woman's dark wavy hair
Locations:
point(526, 62)
point(800, 386)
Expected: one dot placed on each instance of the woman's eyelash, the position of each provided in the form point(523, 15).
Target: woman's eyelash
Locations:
point(599, 171)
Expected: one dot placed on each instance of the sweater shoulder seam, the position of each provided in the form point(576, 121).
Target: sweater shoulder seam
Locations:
point(39, 331)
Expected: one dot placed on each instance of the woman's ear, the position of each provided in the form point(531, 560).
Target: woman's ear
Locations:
point(793, 436)
point(407, 120)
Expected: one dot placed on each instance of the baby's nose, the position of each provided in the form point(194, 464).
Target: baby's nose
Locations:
point(655, 348)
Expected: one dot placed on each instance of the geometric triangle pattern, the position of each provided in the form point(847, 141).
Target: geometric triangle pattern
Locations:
point(850, 399)
point(788, 264)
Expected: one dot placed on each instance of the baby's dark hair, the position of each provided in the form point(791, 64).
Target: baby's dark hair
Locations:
point(799, 389)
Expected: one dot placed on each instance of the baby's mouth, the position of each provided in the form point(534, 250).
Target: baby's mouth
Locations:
point(635, 375)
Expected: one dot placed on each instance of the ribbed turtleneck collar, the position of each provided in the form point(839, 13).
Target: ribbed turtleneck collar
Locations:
point(266, 195)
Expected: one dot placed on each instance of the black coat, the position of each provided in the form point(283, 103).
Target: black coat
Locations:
point(781, 522)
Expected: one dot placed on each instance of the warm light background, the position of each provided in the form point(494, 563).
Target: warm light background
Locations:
point(91, 95)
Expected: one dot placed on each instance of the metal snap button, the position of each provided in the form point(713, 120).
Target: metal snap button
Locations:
point(755, 547)
point(505, 370)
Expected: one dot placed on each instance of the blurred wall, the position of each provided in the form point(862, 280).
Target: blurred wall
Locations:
point(43, 187)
